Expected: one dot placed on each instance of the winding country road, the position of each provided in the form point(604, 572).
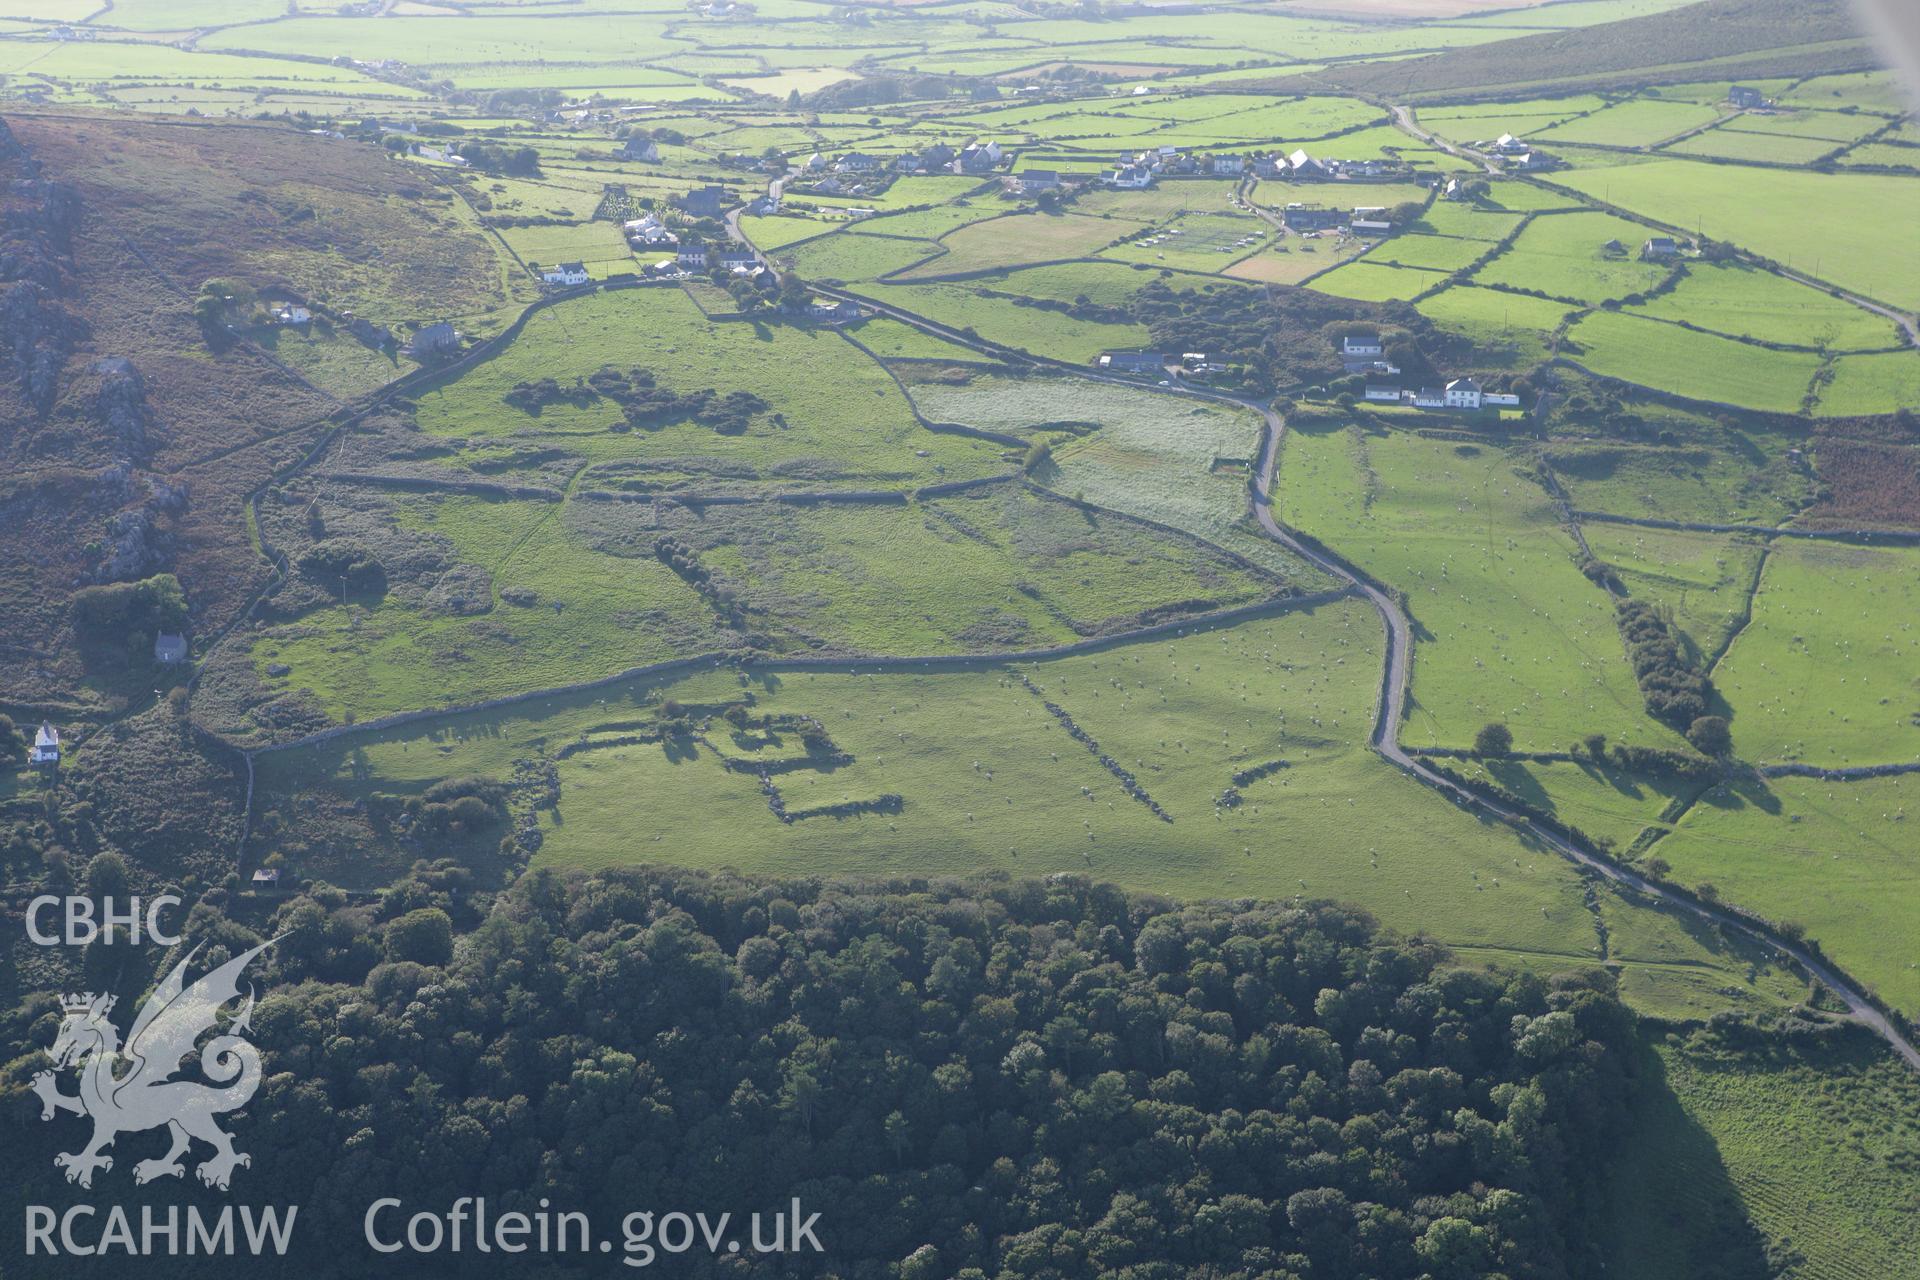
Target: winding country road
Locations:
point(1397, 675)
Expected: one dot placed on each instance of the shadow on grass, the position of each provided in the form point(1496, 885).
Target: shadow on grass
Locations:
point(1669, 1206)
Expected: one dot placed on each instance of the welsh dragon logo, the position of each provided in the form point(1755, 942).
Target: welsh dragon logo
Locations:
point(128, 1089)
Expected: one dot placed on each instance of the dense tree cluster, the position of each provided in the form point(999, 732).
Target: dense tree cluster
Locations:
point(643, 402)
point(1675, 688)
point(987, 1080)
point(1286, 336)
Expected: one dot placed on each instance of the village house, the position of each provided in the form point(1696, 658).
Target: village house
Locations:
point(859, 162)
point(833, 310)
point(1131, 361)
point(1130, 177)
point(644, 150)
point(1032, 180)
point(46, 745)
point(692, 257)
point(1614, 249)
point(815, 163)
point(1387, 394)
point(435, 339)
point(1508, 145)
point(266, 877)
point(765, 206)
point(978, 157)
point(1227, 166)
point(1361, 344)
point(737, 258)
point(1533, 162)
point(1463, 393)
point(829, 186)
point(1430, 398)
point(702, 202)
point(1499, 400)
point(935, 158)
point(169, 647)
point(1659, 248)
point(1746, 97)
point(567, 273)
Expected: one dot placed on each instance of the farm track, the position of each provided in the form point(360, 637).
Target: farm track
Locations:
point(1395, 682)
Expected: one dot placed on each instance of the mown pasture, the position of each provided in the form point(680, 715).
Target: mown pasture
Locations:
point(1686, 362)
point(1565, 255)
point(1505, 626)
point(1837, 858)
point(1750, 302)
point(989, 779)
point(1828, 671)
point(1809, 221)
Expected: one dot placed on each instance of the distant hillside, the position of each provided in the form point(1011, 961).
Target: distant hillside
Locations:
point(1717, 40)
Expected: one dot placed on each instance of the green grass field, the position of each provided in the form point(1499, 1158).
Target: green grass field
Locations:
point(1703, 578)
point(1828, 671)
point(1016, 240)
point(1506, 628)
point(1699, 366)
point(1809, 220)
point(1637, 123)
point(1883, 383)
point(1835, 857)
point(1509, 331)
point(1001, 320)
point(1748, 302)
point(1371, 281)
point(989, 779)
point(1722, 473)
point(1564, 255)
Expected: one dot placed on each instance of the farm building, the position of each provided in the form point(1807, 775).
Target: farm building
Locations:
point(169, 647)
point(1389, 395)
point(1430, 398)
point(1613, 248)
point(267, 876)
point(833, 310)
point(1499, 400)
point(567, 273)
point(46, 745)
point(1311, 219)
point(1039, 179)
point(1131, 361)
point(1746, 97)
point(1371, 227)
point(293, 314)
point(434, 339)
point(1659, 247)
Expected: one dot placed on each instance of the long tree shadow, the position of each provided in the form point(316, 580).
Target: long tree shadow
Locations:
point(1670, 1205)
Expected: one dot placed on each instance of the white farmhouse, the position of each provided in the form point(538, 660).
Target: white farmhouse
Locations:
point(1463, 393)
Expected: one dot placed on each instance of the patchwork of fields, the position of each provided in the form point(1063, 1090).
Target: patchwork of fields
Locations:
point(684, 566)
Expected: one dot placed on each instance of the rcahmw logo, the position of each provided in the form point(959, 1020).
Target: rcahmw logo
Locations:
point(130, 1088)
